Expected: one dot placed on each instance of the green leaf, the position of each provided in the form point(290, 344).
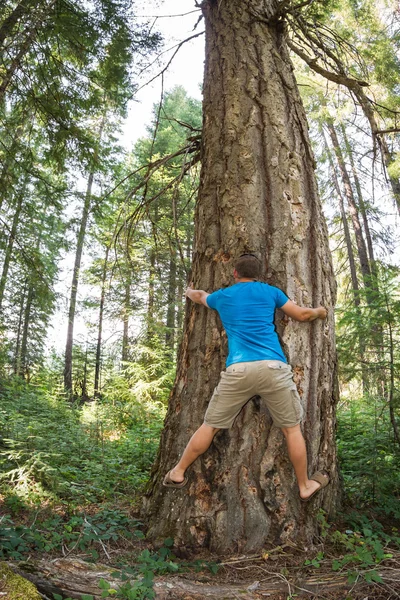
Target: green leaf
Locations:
point(352, 577)
point(336, 565)
point(169, 542)
point(371, 576)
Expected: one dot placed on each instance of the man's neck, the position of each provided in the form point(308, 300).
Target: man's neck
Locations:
point(243, 280)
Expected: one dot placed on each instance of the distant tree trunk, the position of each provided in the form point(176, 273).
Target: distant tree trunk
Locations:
point(74, 287)
point(17, 354)
point(361, 247)
point(182, 281)
point(10, 245)
point(100, 328)
point(171, 304)
point(84, 390)
point(392, 367)
point(180, 305)
point(257, 193)
point(126, 313)
point(10, 155)
point(352, 265)
point(389, 158)
point(76, 272)
point(23, 362)
point(151, 296)
point(361, 202)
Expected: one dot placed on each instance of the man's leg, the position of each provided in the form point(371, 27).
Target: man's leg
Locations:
point(298, 457)
point(199, 442)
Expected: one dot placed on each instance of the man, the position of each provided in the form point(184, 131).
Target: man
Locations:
point(256, 365)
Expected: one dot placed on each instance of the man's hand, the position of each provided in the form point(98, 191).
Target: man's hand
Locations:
point(302, 313)
point(322, 313)
point(198, 296)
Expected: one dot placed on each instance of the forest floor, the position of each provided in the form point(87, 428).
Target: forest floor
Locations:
point(343, 565)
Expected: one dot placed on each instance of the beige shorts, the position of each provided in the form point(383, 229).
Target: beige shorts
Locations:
point(270, 379)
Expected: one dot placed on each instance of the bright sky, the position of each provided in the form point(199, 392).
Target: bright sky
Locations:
point(186, 68)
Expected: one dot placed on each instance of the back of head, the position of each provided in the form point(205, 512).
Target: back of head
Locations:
point(248, 266)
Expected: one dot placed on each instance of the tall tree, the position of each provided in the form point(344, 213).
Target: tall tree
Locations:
point(77, 265)
point(257, 193)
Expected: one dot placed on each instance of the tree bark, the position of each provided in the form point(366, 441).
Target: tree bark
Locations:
point(257, 193)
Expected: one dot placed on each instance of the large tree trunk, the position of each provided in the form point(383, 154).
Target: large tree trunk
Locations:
point(257, 193)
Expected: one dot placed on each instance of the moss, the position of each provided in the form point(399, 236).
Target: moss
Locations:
point(16, 587)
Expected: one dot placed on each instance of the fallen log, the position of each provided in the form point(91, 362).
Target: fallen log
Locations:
point(72, 578)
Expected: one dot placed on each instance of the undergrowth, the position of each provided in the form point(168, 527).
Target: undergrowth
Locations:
point(55, 452)
point(369, 457)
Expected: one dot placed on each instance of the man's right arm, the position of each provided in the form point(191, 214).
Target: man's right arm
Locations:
point(198, 296)
point(303, 313)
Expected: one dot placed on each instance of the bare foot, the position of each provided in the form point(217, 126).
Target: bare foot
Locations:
point(311, 487)
point(176, 475)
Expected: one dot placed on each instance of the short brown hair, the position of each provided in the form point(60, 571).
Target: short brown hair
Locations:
point(248, 266)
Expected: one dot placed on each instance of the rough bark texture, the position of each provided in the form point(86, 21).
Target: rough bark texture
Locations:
point(257, 193)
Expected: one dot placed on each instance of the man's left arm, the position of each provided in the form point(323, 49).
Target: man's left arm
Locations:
point(198, 296)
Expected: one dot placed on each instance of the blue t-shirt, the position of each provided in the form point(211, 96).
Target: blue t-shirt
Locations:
point(247, 313)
